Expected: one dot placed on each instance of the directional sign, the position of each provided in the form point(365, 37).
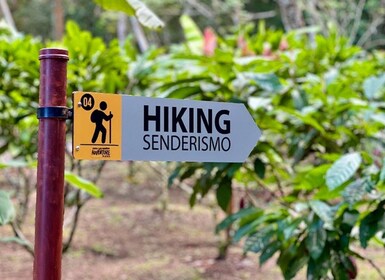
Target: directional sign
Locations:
point(122, 127)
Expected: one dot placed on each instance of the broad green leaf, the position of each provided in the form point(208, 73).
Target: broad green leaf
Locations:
point(133, 7)
point(306, 119)
point(378, 117)
point(316, 176)
point(355, 191)
point(259, 168)
point(251, 227)
point(316, 239)
point(349, 220)
point(83, 184)
point(174, 175)
point(269, 82)
point(183, 82)
point(342, 170)
point(323, 211)
point(7, 211)
point(292, 259)
point(337, 267)
point(247, 229)
point(326, 194)
point(382, 173)
point(184, 92)
point(224, 193)
point(349, 266)
point(371, 224)
point(259, 64)
point(331, 76)
point(317, 269)
point(260, 239)
point(193, 35)
point(295, 265)
point(239, 215)
point(269, 251)
point(373, 85)
point(287, 228)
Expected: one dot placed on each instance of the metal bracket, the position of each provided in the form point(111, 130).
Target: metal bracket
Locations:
point(55, 112)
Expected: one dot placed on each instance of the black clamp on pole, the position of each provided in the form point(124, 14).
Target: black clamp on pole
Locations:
point(56, 112)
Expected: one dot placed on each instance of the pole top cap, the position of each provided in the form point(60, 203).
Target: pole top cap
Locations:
point(53, 53)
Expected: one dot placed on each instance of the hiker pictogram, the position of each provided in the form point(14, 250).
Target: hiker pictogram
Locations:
point(97, 117)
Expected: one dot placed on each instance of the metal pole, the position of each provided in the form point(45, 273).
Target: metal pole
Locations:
point(50, 170)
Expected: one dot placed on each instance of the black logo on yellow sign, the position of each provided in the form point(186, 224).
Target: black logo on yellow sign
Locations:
point(98, 116)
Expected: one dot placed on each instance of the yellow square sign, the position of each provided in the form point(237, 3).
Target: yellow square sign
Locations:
point(97, 126)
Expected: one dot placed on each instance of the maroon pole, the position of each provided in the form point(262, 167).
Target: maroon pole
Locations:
point(50, 170)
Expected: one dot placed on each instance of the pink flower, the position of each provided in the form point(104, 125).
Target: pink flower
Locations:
point(209, 41)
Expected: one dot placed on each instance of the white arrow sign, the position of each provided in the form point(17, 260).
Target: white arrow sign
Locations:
point(163, 129)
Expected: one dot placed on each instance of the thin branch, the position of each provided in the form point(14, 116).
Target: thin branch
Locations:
point(67, 244)
point(140, 36)
point(271, 193)
point(347, 18)
point(80, 202)
point(99, 172)
point(251, 198)
point(376, 268)
point(262, 15)
point(370, 31)
point(315, 18)
point(202, 8)
point(25, 242)
point(291, 14)
point(24, 201)
point(280, 188)
point(357, 19)
point(374, 43)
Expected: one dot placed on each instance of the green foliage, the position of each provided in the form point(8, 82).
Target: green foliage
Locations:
point(318, 105)
point(18, 95)
point(93, 65)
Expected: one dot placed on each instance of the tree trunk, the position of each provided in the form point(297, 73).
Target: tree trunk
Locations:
point(7, 15)
point(58, 20)
point(139, 34)
point(291, 14)
point(122, 28)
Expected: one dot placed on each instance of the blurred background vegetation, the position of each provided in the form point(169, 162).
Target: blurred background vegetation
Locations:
point(310, 72)
point(362, 21)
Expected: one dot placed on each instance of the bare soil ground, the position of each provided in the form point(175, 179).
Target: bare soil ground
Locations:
point(126, 236)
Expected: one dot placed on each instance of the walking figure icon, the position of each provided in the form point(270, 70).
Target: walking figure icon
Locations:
point(97, 117)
